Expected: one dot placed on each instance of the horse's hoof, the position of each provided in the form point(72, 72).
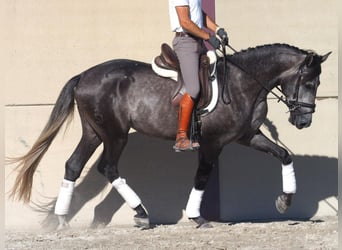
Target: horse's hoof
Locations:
point(63, 227)
point(142, 223)
point(98, 225)
point(201, 222)
point(205, 225)
point(63, 223)
point(281, 205)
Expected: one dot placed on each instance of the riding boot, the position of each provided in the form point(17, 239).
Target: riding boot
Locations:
point(184, 115)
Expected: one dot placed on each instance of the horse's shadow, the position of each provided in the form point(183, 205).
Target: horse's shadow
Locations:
point(250, 183)
point(161, 178)
point(244, 187)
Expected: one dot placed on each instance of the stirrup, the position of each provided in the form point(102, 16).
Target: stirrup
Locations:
point(179, 146)
point(193, 146)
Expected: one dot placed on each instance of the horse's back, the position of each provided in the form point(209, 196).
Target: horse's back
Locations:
point(130, 93)
point(128, 73)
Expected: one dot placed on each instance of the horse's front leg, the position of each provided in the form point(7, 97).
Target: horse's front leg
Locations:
point(206, 164)
point(260, 142)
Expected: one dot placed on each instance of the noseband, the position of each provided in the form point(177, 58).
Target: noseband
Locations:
point(295, 105)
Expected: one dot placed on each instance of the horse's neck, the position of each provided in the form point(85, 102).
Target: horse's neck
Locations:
point(265, 68)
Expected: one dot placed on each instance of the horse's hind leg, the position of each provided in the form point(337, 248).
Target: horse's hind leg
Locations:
point(260, 142)
point(73, 168)
point(108, 166)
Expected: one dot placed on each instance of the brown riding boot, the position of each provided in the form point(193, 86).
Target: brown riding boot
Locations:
point(184, 115)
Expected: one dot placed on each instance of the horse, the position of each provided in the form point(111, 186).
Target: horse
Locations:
point(118, 95)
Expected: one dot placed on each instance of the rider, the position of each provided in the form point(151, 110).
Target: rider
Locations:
point(188, 21)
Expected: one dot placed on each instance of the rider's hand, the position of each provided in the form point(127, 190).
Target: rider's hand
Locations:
point(222, 34)
point(214, 42)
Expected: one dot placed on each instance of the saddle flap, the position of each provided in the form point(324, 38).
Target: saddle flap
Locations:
point(206, 93)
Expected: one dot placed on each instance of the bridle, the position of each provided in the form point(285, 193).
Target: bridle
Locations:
point(293, 105)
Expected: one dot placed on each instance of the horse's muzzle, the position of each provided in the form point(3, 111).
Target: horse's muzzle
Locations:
point(300, 120)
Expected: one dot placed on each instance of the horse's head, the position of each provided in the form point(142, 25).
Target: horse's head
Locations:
point(300, 88)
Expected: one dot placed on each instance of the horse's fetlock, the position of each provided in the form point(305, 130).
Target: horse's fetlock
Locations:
point(141, 212)
point(287, 198)
point(71, 174)
point(286, 159)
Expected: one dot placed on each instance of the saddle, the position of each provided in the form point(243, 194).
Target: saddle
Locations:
point(167, 65)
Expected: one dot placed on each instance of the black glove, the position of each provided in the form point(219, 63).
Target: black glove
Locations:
point(214, 42)
point(223, 35)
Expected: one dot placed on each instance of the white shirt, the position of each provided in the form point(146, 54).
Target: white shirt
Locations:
point(195, 7)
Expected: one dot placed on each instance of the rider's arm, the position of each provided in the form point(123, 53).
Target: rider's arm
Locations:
point(209, 23)
point(187, 24)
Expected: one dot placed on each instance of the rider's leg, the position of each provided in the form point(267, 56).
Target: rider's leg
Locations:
point(188, 52)
point(184, 115)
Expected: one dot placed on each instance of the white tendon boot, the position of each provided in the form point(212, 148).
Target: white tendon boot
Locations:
point(289, 179)
point(283, 202)
point(193, 206)
point(132, 199)
point(126, 192)
point(63, 203)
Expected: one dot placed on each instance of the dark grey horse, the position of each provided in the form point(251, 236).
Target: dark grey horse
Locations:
point(118, 95)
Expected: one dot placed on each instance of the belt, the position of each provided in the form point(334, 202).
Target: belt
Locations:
point(184, 34)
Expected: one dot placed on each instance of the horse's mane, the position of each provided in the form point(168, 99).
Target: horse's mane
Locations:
point(268, 47)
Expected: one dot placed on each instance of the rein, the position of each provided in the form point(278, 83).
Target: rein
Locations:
point(225, 82)
point(292, 105)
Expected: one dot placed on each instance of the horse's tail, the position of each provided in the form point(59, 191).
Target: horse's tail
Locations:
point(28, 163)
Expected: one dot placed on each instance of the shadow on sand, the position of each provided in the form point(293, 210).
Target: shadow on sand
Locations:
point(243, 187)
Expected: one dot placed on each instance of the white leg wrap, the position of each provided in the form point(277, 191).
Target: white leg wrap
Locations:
point(194, 203)
point(64, 197)
point(126, 193)
point(289, 179)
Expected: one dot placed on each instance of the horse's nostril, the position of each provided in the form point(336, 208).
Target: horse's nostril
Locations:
point(301, 125)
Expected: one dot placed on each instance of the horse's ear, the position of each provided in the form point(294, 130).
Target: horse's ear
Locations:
point(325, 57)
